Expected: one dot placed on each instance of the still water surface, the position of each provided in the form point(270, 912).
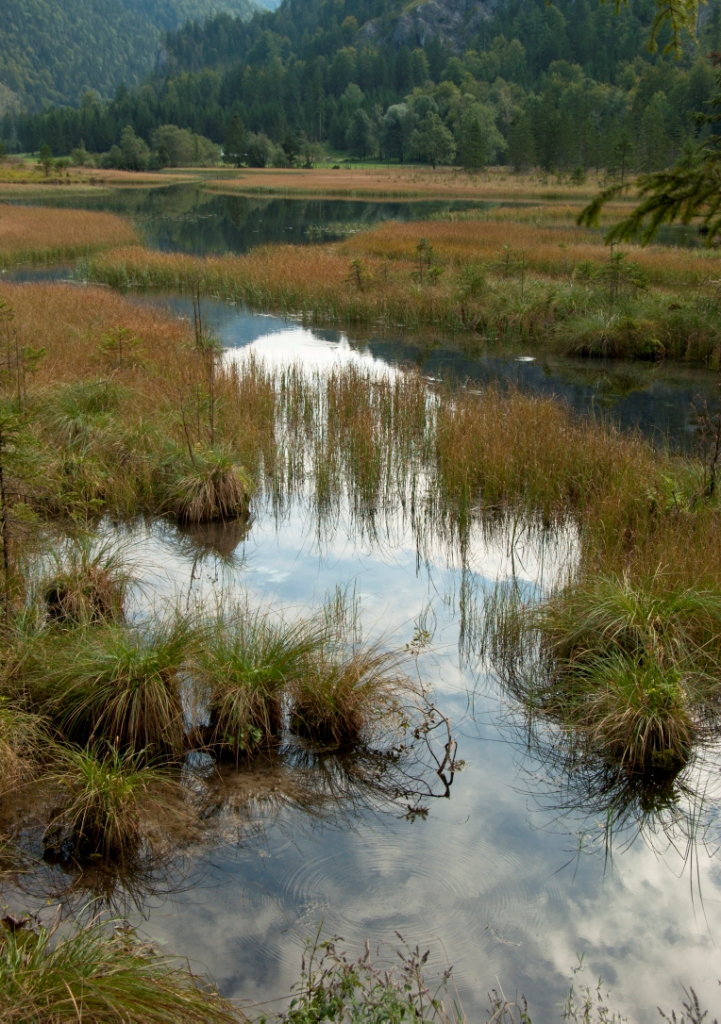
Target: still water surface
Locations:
point(186, 218)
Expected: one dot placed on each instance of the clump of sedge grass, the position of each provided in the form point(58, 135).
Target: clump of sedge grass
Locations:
point(86, 585)
point(120, 683)
point(211, 488)
point(340, 699)
point(639, 713)
point(616, 612)
point(103, 789)
point(247, 661)
point(91, 975)
point(610, 334)
point(631, 667)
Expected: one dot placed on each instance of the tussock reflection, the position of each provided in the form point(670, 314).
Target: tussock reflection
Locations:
point(219, 804)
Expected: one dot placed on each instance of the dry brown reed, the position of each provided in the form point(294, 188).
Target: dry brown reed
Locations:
point(23, 741)
point(530, 212)
point(491, 278)
point(74, 324)
point(42, 234)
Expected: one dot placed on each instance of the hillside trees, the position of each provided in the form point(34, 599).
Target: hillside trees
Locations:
point(558, 88)
point(432, 141)
point(52, 51)
point(234, 148)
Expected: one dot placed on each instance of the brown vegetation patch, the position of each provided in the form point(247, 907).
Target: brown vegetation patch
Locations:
point(400, 182)
point(39, 234)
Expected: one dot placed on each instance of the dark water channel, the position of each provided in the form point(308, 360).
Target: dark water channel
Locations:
point(509, 872)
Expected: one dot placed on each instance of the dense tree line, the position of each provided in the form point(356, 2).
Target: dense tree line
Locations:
point(565, 86)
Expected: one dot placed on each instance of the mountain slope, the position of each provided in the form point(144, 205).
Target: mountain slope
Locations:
point(53, 50)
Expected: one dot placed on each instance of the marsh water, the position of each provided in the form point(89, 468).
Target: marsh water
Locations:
point(510, 867)
point(190, 219)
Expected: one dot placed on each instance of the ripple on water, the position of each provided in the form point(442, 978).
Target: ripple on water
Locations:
point(477, 897)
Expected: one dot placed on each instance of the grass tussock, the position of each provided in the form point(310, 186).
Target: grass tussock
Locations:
point(213, 488)
point(503, 245)
point(101, 791)
point(92, 975)
point(43, 235)
point(341, 699)
point(247, 664)
point(630, 668)
point(86, 585)
point(116, 683)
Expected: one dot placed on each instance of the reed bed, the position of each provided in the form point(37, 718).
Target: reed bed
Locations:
point(397, 182)
point(540, 214)
point(131, 431)
point(118, 417)
point(551, 251)
point(487, 279)
point(44, 235)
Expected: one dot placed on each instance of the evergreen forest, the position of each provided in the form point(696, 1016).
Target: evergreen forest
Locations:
point(53, 51)
point(565, 86)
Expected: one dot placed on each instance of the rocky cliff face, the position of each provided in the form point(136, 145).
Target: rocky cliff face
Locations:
point(453, 21)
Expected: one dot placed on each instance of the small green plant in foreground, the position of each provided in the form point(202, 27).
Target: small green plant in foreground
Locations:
point(336, 988)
